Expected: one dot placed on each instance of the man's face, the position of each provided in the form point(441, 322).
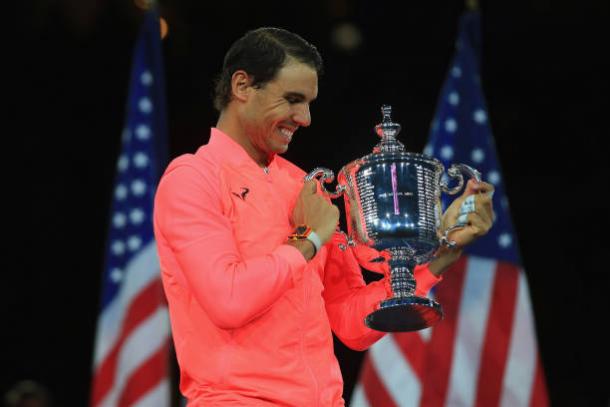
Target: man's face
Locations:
point(277, 109)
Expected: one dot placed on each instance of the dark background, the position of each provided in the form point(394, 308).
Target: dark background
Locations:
point(544, 72)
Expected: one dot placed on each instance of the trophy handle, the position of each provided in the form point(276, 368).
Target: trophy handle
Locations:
point(324, 175)
point(455, 171)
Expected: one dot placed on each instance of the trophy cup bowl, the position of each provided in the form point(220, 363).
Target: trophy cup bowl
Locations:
point(392, 203)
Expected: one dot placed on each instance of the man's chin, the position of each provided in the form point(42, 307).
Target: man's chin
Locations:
point(281, 149)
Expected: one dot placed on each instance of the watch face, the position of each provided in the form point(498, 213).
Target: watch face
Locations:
point(301, 229)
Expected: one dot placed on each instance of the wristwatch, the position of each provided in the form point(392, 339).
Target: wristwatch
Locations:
point(303, 232)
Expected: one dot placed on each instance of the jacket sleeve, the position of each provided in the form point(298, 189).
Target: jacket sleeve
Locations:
point(232, 290)
point(349, 299)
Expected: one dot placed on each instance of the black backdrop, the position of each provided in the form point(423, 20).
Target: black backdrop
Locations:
point(544, 74)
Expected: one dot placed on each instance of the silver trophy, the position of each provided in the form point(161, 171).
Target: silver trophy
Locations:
point(392, 203)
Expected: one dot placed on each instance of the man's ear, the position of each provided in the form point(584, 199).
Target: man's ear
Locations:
point(240, 85)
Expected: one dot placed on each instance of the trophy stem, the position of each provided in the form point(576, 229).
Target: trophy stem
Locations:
point(401, 272)
point(405, 311)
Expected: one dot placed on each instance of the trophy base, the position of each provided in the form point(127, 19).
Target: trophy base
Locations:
point(405, 314)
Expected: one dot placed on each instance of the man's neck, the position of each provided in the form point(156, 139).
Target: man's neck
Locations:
point(235, 131)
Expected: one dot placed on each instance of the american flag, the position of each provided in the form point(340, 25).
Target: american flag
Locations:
point(484, 352)
point(131, 356)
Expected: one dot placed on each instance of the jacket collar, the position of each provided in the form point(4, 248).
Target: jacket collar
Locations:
point(231, 151)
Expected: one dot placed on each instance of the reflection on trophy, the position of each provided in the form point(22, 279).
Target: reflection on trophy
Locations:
point(392, 203)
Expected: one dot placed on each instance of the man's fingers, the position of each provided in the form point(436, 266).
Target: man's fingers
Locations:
point(485, 188)
point(474, 187)
point(479, 224)
point(484, 206)
point(474, 225)
point(310, 187)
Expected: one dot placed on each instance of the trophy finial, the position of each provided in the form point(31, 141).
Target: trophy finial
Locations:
point(388, 130)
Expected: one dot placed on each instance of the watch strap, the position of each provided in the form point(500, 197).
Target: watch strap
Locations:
point(315, 239)
point(304, 232)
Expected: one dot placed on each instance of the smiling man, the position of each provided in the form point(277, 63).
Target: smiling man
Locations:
point(251, 262)
point(269, 115)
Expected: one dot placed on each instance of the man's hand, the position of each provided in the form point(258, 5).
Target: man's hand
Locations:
point(475, 214)
point(313, 210)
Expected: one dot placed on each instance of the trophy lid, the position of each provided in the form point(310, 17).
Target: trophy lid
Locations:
point(388, 131)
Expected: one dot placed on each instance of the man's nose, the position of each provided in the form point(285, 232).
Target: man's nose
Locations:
point(302, 115)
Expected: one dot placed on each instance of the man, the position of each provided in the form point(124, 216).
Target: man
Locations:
point(252, 309)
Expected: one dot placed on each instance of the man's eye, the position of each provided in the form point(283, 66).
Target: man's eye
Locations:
point(294, 99)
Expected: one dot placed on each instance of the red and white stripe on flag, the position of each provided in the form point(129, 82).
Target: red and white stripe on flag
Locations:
point(483, 353)
point(132, 344)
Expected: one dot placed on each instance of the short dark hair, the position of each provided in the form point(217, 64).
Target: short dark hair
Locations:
point(262, 53)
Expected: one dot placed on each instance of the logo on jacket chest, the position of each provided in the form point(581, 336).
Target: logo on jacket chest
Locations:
point(242, 194)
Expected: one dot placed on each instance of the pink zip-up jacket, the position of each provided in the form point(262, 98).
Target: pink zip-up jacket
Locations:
point(251, 319)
